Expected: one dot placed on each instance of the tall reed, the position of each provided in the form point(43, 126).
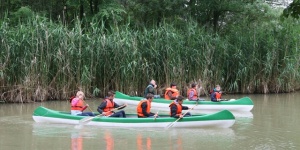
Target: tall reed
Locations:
point(42, 60)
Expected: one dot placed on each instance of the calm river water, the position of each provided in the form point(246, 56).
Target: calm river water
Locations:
point(272, 124)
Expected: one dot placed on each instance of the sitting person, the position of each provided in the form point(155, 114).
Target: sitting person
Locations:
point(77, 105)
point(192, 93)
point(150, 88)
point(143, 108)
point(216, 94)
point(108, 105)
point(171, 93)
point(176, 108)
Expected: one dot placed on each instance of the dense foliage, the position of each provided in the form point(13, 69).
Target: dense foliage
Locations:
point(50, 49)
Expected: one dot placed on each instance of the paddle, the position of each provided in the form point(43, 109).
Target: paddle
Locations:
point(88, 106)
point(226, 100)
point(223, 99)
point(88, 119)
point(171, 124)
point(155, 116)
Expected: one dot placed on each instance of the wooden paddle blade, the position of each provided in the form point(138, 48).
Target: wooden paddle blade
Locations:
point(121, 107)
point(86, 120)
point(156, 115)
point(172, 123)
point(224, 99)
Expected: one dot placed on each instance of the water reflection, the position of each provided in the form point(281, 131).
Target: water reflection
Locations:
point(143, 142)
point(76, 141)
point(109, 140)
point(89, 137)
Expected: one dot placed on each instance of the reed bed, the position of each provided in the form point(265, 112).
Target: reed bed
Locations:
point(42, 60)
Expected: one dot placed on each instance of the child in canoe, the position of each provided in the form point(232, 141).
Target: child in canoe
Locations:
point(78, 106)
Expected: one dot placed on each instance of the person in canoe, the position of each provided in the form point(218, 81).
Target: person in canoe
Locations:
point(77, 105)
point(192, 93)
point(171, 93)
point(150, 88)
point(176, 108)
point(143, 108)
point(216, 94)
point(108, 105)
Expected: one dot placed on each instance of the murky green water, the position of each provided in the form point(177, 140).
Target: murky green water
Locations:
point(272, 124)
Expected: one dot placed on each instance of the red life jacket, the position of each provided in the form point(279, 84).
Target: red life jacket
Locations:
point(140, 110)
point(78, 106)
point(109, 106)
point(179, 108)
point(195, 96)
point(175, 93)
point(218, 95)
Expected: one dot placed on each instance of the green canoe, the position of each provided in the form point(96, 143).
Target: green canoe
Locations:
point(242, 104)
point(222, 119)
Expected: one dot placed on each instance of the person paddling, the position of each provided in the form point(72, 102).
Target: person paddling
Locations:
point(143, 108)
point(77, 105)
point(176, 108)
point(108, 104)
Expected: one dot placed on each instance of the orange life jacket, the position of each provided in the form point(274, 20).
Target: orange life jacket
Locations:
point(218, 95)
point(140, 110)
point(175, 93)
point(179, 108)
point(109, 106)
point(195, 96)
point(78, 106)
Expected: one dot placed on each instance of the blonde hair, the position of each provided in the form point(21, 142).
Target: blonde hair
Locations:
point(79, 93)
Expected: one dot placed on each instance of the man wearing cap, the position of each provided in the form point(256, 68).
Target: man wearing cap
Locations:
point(171, 93)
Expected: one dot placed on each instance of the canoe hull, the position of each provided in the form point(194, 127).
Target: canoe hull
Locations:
point(243, 104)
point(222, 119)
point(202, 124)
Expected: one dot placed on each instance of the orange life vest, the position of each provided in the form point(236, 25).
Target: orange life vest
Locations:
point(140, 110)
point(218, 95)
point(78, 106)
point(109, 106)
point(195, 96)
point(179, 108)
point(175, 93)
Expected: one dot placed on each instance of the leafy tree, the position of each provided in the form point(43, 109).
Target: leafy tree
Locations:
point(214, 12)
point(292, 10)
